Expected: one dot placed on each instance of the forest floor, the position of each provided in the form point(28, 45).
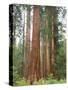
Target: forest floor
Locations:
point(40, 82)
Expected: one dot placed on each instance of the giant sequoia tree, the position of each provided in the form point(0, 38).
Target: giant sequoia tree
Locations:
point(54, 16)
point(47, 63)
point(35, 53)
point(27, 47)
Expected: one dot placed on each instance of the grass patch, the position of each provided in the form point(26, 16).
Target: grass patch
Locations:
point(50, 80)
point(40, 82)
point(22, 83)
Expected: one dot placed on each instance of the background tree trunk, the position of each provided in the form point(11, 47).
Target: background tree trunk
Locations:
point(43, 59)
point(47, 63)
point(52, 47)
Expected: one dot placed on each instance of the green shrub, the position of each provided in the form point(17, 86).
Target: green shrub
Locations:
point(50, 76)
point(22, 83)
point(50, 80)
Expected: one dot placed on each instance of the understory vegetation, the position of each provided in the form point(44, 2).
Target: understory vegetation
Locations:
point(49, 80)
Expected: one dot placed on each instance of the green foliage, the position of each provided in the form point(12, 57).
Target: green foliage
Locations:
point(15, 75)
point(50, 80)
point(41, 81)
point(49, 77)
point(22, 82)
point(17, 63)
point(60, 63)
point(54, 81)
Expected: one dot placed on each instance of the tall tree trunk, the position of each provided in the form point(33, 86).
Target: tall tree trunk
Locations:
point(43, 59)
point(54, 43)
point(24, 28)
point(35, 55)
point(47, 63)
point(52, 47)
point(27, 43)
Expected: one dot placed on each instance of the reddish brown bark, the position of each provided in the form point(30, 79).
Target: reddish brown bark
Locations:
point(27, 46)
point(35, 54)
point(43, 60)
point(52, 47)
point(47, 63)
